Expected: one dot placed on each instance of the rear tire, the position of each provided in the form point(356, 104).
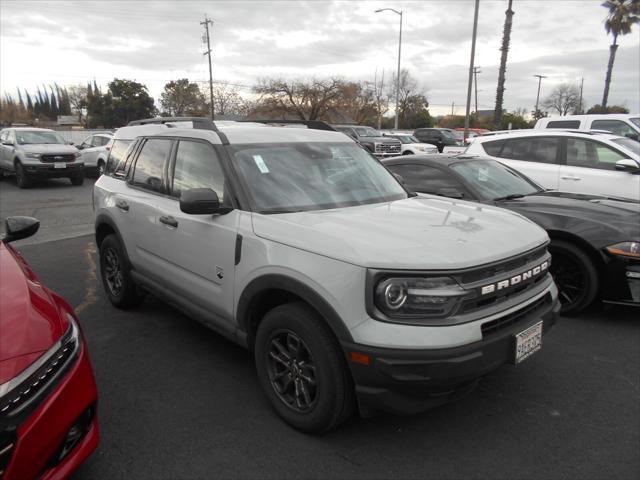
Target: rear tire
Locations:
point(77, 180)
point(575, 275)
point(22, 179)
point(115, 271)
point(302, 369)
point(100, 169)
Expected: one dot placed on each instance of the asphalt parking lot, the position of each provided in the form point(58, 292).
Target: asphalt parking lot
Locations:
point(177, 401)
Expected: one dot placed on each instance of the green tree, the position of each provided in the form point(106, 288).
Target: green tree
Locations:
point(623, 14)
point(181, 97)
point(611, 109)
point(125, 101)
point(506, 39)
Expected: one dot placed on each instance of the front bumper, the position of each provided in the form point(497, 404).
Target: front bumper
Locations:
point(34, 445)
point(621, 281)
point(407, 381)
point(48, 170)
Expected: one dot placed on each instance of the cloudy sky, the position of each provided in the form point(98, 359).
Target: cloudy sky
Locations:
point(72, 42)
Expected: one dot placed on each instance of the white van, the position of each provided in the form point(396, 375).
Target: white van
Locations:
point(623, 124)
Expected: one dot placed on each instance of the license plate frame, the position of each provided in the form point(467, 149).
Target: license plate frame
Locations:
point(59, 165)
point(527, 342)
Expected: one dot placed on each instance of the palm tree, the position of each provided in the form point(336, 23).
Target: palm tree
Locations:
point(622, 15)
point(506, 38)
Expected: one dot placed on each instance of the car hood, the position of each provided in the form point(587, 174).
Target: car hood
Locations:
point(599, 219)
point(380, 139)
point(49, 148)
point(30, 322)
point(424, 232)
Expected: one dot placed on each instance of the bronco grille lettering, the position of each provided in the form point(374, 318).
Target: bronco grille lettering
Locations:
point(502, 284)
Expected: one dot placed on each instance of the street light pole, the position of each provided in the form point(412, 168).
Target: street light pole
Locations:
point(399, 55)
point(540, 77)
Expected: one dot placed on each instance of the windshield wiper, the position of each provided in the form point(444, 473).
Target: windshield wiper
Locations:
point(509, 197)
point(282, 210)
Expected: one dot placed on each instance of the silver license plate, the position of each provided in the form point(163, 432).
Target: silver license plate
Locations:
point(59, 165)
point(528, 342)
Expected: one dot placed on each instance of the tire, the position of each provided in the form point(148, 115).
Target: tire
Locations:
point(22, 179)
point(1, 174)
point(440, 148)
point(100, 169)
point(116, 275)
point(77, 180)
point(329, 398)
point(575, 275)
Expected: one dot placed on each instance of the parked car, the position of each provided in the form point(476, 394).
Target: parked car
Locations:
point(33, 153)
point(48, 422)
point(595, 242)
point(472, 133)
point(371, 139)
point(94, 151)
point(623, 125)
point(597, 164)
point(440, 137)
point(411, 145)
point(298, 245)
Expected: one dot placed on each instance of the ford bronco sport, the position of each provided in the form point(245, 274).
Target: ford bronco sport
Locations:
point(300, 246)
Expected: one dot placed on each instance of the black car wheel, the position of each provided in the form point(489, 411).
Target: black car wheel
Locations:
point(302, 369)
point(575, 275)
point(116, 275)
point(77, 179)
point(22, 179)
point(100, 168)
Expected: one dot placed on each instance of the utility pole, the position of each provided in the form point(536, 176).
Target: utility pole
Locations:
point(580, 103)
point(206, 24)
point(452, 105)
point(476, 71)
point(540, 77)
point(473, 54)
point(399, 53)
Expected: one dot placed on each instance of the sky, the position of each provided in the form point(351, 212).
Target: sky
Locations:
point(153, 42)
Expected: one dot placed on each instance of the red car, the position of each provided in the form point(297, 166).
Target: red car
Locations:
point(48, 423)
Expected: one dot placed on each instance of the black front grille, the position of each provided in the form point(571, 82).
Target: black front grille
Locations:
point(387, 148)
point(476, 303)
point(509, 265)
point(18, 398)
point(58, 158)
point(501, 323)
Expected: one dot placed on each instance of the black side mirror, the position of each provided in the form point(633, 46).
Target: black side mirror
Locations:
point(201, 201)
point(450, 192)
point(19, 227)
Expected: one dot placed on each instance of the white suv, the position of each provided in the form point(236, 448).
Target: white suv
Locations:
point(597, 164)
point(300, 246)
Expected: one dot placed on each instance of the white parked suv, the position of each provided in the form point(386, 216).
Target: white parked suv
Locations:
point(94, 151)
point(622, 124)
point(300, 246)
point(410, 145)
point(597, 164)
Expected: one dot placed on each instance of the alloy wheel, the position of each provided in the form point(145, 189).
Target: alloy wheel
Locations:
point(113, 272)
point(570, 279)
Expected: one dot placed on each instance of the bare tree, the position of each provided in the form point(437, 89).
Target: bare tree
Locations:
point(563, 99)
point(78, 99)
point(227, 100)
point(381, 101)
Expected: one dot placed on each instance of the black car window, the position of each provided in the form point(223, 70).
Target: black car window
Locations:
point(564, 124)
point(115, 162)
point(493, 147)
point(616, 127)
point(590, 154)
point(149, 167)
point(531, 149)
point(493, 180)
point(425, 179)
point(197, 166)
point(99, 141)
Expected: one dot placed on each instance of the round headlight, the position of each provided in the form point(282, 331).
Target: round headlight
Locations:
point(395, 295)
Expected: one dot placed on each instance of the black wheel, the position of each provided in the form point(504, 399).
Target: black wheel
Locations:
point(77, 179)
point(116, 277)
point(575, 275)
point(440, 148)
point(1, 174)
point(100, 168)
point(407, 152)
point(302, 369)
point(22, 179)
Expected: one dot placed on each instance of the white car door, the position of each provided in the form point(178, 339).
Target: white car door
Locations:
point(198, 251)
point(537, 157)
point(590, 168)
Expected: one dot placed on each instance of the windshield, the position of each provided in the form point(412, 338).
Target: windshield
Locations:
point(494, 180)
point(367, 132)
point(313, 176)
point(631, 145)
point(451, 134)
point(406, 138)
point(635, 121)
point(34, 137)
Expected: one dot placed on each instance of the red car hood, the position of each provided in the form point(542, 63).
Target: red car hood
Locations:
point(30, 322)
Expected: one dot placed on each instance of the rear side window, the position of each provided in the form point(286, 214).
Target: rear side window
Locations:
point(590, 154)
point(531, 149)
point(115, 162)
point(616, 127)
point(197, 166)
point(494, 147)
point(149, 167)
point(564, 124)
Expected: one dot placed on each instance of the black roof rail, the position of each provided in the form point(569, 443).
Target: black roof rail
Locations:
point(201, 123)
point(313, 124)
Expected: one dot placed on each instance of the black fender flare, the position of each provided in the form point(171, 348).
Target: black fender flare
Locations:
point(297, 288)
point(105, 219)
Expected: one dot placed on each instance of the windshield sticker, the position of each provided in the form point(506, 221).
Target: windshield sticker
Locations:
point(483, 174)
point(260, 163)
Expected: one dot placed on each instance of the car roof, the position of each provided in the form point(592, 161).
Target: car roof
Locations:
point(432, 159)
point(545, 133)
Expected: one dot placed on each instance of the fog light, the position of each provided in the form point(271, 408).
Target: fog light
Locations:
point(75, 433)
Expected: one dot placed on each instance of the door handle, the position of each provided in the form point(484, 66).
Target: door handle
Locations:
point(122, 205)
point(568, 177)
point(168, 220)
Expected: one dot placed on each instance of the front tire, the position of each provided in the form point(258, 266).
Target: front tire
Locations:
point(22, 179)
point(116, 275)
point(575, 275)
point(100, 170)
point(77, 180)
point(302, 369)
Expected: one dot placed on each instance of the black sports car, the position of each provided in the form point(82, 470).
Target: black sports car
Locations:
point(595, 241)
